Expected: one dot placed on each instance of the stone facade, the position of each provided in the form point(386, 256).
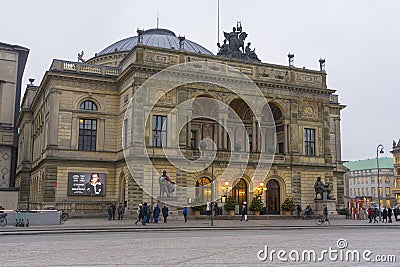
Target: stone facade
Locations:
point(52, 112)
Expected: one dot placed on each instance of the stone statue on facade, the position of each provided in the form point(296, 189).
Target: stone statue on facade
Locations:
point(322, 189)
point(166, 185)
point(233, 46)
point(80, 57)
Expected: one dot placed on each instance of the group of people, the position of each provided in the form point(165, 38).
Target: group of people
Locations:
point(112, 209)
point(144, 213)
point(387, 213)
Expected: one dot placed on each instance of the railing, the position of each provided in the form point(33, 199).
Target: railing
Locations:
point(61, 65)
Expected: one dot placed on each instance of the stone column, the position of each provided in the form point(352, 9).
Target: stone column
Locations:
point(188, 132)
point(220, 129)
point(258, 137)
point(286, 138)
point(254, 136)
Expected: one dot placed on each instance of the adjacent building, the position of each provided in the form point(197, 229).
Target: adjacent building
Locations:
point(73, 128)
point(12, 64)
point(396, 170)
point(361, 181)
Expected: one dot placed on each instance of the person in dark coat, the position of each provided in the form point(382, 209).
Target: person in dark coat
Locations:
point(390, 213)
point(156, 213)
point(244, 213)
point(110, 211)
point(165, 213)
point(384, 215)
point(140, 213)
point(114, 208)
point(121, 211)
point(325, 212)
point(396, 213)
point(298, 211)
point(145, 213)
point(374, 215)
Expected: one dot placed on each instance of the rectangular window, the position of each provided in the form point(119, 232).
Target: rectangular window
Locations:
point(372, 180)
point(126, 126)
point(398, 171)
point(280, 148)
point(387, 191)
point(309, 141)
point(193, 135)
point(373, 191)
point(363, 192)
point(380, 191)
point(159, 138)
point(87, 134)
point(387, 180)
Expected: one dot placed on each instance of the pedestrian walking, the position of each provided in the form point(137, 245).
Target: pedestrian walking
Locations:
point(390, 213)
point(244, 213)
point(370, 214)
point(384, 215)
point(325, 212)
point(165, 213)
point(397, 214)
point(374, 215)
point(298, 211)
point(113, 210)
point(140, 213)
point(121, 211)
point(109, 211)
point(145, 213)
point(156, 214)
point(185, 213)
point(208, 208)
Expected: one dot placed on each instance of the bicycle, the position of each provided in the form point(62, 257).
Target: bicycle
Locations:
point(64, 217)
point(321, 220)
point(3, 219)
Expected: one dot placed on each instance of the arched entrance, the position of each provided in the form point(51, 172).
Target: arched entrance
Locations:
point(273, 197)
point(203, 192)
point(239, 192)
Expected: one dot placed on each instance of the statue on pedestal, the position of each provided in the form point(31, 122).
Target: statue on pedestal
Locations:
point(166, 185)
point(323, 189)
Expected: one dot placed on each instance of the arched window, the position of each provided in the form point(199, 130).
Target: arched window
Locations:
point(88, 105)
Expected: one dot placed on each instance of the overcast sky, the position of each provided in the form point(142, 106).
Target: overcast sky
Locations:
point(360, 41)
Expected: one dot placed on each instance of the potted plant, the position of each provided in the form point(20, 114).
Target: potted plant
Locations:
point(288, 206)
point(229, 205)
point(256, 205)
point(196, 206)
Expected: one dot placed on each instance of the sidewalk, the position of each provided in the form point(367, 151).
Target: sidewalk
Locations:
point(102, 224)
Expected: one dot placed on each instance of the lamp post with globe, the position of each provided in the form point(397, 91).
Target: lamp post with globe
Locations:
point(379, 150)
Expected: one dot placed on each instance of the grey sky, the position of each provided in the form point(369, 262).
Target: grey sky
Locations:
point(359, 40)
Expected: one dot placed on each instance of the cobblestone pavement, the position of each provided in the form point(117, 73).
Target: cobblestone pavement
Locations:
point(193, 248)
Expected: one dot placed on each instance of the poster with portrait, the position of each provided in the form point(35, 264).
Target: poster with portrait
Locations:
point(86, 184)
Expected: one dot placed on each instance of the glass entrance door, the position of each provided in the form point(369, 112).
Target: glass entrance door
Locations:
point(273, 197)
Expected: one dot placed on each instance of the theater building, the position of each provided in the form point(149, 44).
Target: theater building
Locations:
point(72, 125)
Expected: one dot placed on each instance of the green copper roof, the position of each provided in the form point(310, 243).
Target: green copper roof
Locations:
point(369, 164)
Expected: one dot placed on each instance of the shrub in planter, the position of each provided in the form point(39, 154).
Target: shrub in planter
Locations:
point(230, 204)
point(256, 204)
point(288, 204)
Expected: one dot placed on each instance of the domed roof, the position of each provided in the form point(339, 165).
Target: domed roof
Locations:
point(155, 37)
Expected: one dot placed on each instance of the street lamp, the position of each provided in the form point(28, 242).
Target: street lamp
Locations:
point(379, 150)
point(153, 144)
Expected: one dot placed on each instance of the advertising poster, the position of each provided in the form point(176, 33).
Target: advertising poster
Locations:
point(86, 184)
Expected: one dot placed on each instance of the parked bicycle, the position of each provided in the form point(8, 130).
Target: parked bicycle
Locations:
point(321, 220)
point(3, 219)
point(64, 217)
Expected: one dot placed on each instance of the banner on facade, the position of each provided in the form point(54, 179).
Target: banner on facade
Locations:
point(86, 184)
